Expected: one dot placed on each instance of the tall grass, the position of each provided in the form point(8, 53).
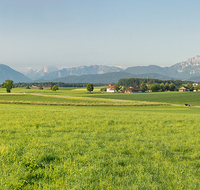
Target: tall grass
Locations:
point(48, 147)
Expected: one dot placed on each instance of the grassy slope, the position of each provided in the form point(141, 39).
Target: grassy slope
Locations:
point(45, 147)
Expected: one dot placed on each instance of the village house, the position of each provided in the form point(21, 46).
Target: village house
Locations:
point(183, 89)
point(110, 88)
point(195, 84)
point(133, 89)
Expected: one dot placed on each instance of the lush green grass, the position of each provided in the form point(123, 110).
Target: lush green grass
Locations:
point(43, 99)
point(61, 91)
point(52, 147)
point(182, 98)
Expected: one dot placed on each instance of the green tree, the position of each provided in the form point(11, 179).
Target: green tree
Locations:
point(155, 87)
point(8, 84)
point(90, 87)
point(103, 89)
point(40, 87)
point(162, 87)
point(143, 87)
point(167, 86)
point(197, 87)
point(27, 87)
point(190, 86)
point(172, 86)
point(54, 88)
point(117, 87)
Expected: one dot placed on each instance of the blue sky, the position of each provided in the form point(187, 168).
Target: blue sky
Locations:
point(71, 33)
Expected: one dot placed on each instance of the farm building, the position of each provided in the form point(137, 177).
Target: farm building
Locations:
point(110, 88)
point(183, 89)
point(195, 84)
point(133, 89)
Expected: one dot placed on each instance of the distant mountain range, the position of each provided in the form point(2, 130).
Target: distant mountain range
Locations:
point(7, 73)
point(45, 74)
point(183, 70)
point(36, 74)
point(187, 70)
point(112, 77)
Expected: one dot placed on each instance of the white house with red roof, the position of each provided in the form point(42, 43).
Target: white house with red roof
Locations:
point(110, 88)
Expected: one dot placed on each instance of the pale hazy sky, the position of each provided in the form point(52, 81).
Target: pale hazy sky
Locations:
point(68, 33)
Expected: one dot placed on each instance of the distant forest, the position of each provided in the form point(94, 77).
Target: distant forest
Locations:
point(137, 82)
point(123, 82)
point(59, 84)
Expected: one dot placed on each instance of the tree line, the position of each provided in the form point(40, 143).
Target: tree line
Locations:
point(9, 84)
point(158, 87)
point(153, 84)
point(50, 84)
point(138, 81)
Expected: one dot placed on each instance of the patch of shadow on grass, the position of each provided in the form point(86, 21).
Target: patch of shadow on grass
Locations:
point(49, 158)
point(121, 163)
point(111, 122)
point(35, 171)
point(127, 152)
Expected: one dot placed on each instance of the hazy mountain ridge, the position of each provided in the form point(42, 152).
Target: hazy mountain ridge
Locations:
point(185, 70)
point(146, 69)
point(82, 70)
point(189, 67)
point(112, 77)
point(8, 73)
point(36, 74)
point(181, 70)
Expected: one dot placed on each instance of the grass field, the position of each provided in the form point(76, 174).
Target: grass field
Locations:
point(181, 98)
point(48, 147)
point(41, 99)
point(89, 147)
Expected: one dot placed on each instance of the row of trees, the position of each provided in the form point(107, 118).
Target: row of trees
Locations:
point(159, 87)
point(154, 87)
point(54, 88)
point(138, 81)
point(59, 84)
point(196, 87)
point(8, 84)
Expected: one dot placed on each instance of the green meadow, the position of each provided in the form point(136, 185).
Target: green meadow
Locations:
point(41, 99)
point(181, 98)
point(46, 144)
